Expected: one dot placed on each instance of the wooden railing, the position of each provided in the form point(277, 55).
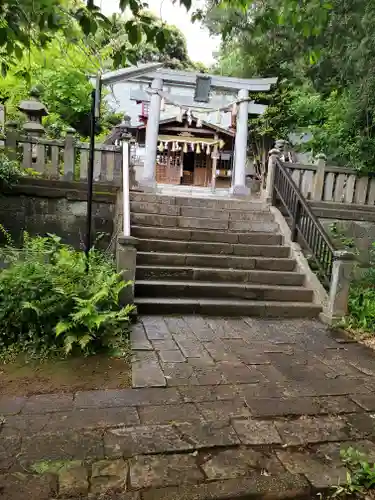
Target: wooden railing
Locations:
point(65, 159)
point(305, 227)
point(322, 182)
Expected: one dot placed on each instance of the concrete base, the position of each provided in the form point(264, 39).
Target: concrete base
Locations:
point(240, 190)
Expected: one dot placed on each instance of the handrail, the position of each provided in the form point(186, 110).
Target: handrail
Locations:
point(303, 223)
point(125, 189)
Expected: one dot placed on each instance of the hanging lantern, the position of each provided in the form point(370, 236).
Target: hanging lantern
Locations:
point(161, 147)
point(192, 146)
point(166, 146)
point(221, 144)
point(185, 150)
point(198, 149)
point(173, 147)
point(208, 150)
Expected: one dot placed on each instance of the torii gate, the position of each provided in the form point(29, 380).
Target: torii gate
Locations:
point(163, 77)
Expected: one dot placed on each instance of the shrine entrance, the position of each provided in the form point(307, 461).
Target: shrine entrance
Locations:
point(192, 153)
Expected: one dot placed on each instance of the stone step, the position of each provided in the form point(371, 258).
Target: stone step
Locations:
point(200, 212)
point(167, 233)
point(186, 273)
point(203, 247)
point(216, 261)
point(259, 222)
point(225, 307)
point(188, 289)
point(185, 201)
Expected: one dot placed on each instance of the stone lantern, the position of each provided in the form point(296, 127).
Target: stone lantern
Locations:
point(34, 111)
point(124, 127)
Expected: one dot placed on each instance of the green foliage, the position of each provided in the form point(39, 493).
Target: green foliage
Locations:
point(361, 303)
point(27, 23)
point(61, 69)
point(325, 51)
point(10, 170)
point(340, 239)
point(60, 72)
point(90, 317)
point(361, 315)
point(360, 477)
point(53, 299)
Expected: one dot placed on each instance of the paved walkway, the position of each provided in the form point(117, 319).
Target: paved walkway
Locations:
point(231, 408)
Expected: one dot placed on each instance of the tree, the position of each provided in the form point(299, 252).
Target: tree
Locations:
point(325, 63)
point(61, 71)
point(27, 22)
point(173, 51)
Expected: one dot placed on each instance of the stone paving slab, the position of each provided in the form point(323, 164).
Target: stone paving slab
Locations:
point(258, 486)
point(248, 407)
point(146, 370)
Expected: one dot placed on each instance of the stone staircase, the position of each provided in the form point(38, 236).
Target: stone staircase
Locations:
point(221, 257)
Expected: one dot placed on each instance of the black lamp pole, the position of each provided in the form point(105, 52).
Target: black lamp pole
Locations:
point(90, 174)
point(95, 113)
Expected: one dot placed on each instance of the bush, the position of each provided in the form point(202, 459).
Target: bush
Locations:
point(10, 170)
point(54, 299)
point(362, 303)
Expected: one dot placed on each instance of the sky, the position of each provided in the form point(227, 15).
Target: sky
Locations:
point(200, 44)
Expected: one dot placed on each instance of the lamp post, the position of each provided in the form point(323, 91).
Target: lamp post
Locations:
point(105, 79)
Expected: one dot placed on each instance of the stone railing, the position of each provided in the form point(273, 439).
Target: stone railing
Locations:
point(65, 159)
point(322, 182)
point(305, 235)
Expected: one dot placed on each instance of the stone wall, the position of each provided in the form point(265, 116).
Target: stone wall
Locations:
point(45, 206)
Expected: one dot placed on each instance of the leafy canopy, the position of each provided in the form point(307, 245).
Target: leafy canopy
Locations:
point(27, 22)
point(60, 71)
point(50, 302)
point(324, 55)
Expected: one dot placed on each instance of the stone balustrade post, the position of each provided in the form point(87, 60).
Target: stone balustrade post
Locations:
point(11, 138)
point(342, 273)
point(69, 154)
point(126, 257)
point(318, 187)
point(272, 157)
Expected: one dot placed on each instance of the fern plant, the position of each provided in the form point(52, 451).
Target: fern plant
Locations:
point(51, 300)
point(95, 321)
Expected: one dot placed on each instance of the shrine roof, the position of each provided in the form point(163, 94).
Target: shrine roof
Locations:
point(188, 79)
point(205, 124)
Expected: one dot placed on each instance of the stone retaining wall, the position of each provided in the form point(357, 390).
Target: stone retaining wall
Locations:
point(42, 206)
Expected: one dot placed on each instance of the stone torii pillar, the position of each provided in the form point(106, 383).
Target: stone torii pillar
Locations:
point(240, 148)
point(152, 132)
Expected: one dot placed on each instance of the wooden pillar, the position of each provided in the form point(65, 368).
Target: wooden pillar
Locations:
point(214, 164)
